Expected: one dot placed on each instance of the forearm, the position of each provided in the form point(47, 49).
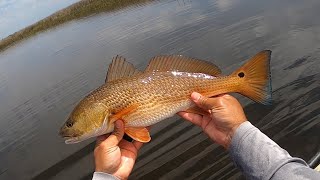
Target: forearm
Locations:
point(258, 157)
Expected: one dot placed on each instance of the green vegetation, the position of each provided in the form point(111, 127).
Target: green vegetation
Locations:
point(78, 10)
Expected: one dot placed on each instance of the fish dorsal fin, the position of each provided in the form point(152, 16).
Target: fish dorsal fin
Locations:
point(120, 68)
point(181, 63)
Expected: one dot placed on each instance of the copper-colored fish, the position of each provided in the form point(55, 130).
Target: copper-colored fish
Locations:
point(142, 99)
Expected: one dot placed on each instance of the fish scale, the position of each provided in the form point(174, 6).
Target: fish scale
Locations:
point(156, 102)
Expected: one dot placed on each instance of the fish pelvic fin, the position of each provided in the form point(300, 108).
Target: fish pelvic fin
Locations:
point(139, 134)
point(255, 78)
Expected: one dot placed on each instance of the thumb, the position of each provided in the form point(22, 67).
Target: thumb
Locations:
point(118, 129)
point(116, 135)
point(203, 102)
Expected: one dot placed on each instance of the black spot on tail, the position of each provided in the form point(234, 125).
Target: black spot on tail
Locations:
point(241, 74)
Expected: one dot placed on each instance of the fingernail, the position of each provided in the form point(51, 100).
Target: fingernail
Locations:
point(195, 96)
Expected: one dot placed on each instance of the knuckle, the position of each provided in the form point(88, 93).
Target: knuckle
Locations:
point(115, 133)
point(207, 103)
point(202, 100)
point(103, 145)
point(220, 101)
point(227, 95)
point(118, 134)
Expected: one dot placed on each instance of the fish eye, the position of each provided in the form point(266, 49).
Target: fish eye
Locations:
point(241, 74)
point(69, 124)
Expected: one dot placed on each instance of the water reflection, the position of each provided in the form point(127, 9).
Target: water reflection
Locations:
point(43, 77)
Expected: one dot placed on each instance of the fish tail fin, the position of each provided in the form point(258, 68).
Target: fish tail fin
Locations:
point(255, 78)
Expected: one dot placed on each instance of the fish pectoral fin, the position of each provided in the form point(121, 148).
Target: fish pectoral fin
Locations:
point(182, 63)
point(123, 112)
point(197, 110)
point(120, 68)
point(138, 134)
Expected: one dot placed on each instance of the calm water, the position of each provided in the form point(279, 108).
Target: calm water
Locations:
point(42, 78)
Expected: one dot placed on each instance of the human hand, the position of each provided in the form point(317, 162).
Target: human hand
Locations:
point(114, 155)
point(225, 115)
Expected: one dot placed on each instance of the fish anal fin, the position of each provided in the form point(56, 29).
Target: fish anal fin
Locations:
point(183, 64)
point(139, 134)
point(120, 68)
point(119, 115)
point(197, 110)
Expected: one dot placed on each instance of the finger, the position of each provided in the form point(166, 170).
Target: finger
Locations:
point(194, 118)
point(132, 147)
point(137, 145)
point(101, 138)
point(116, 135)
point(204, 102)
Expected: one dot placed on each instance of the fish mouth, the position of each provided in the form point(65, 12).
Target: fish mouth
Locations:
point(71, 140)
point(68, 136)
point(66, 133)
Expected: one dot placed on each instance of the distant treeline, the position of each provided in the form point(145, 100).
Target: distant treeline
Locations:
point(78, 10)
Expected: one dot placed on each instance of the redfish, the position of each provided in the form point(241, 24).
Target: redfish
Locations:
point(142, 99)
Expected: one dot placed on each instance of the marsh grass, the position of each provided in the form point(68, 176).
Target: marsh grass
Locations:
point(78, 10)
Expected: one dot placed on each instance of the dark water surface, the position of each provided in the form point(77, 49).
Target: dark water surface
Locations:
point(42, 78)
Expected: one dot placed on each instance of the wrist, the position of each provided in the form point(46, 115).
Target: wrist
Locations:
point(230, 134)
point(103, 175)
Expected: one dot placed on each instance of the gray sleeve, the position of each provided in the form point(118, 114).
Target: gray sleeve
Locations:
point(258, 157)
point(103, 176)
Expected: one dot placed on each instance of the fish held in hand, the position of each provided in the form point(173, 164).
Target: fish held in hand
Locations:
point(142, 99)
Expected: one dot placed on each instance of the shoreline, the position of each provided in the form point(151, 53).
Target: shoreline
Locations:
point(81, 9)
